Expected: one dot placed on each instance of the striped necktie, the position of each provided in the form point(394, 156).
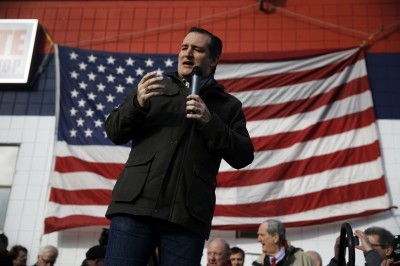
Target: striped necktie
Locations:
point(273, 261)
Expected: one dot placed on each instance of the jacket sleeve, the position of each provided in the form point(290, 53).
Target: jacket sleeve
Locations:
point(333, 262)
point(372, 258)
point(121, 124)
point(301, 259)
point(230, 139)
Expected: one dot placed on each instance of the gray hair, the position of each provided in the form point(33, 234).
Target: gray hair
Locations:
point(49, 248)
point(276, 227)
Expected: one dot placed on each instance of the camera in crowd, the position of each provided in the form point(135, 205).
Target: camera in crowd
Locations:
point(356, 241)
point(396, 248)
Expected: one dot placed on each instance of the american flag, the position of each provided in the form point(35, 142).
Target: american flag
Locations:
point(310, 116)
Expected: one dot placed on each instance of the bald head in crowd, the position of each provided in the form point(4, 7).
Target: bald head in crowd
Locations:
point(218, 252)
point(315, 257)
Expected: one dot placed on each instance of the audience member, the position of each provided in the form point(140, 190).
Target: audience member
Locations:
point(314, 257)
point(375, 242)
point(47, 256)
point(390, 262)
point(95, 256)
point(237, 256)
point(277, 251)
point(3, 243)
point(19, 255)
point(218, 252)
point(5, 259)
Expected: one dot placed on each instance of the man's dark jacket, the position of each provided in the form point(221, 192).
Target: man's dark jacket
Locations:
point(372, 258)
point(171, 170)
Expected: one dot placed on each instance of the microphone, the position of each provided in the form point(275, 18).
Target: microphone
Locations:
point(196, 77)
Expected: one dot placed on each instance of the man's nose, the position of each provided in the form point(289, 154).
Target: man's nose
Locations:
point(189, 52)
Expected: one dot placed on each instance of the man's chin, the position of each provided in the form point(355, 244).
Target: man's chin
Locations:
point(264, 251)
point(185, 70)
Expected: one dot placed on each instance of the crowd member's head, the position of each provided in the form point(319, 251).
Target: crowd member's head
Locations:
point(237, 256)
point(199, 51)
point(381, 240)
point(19, 255)
point(272, 236)
point(95, 256)
point(3, 243)
point(315, 257)
point(47, 256)
point(218, 252)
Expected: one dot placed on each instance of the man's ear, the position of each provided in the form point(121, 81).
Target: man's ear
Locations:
point(388, 251)
point(214, 61)
point(276, 238)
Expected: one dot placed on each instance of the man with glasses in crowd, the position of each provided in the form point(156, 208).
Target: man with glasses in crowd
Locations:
point(47, 256)
point(375, 242)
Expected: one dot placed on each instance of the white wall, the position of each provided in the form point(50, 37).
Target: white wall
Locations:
point(29, 194)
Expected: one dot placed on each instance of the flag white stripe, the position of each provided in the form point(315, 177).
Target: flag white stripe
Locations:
point(64, 210)
point(93, 153)
point(87, 180)
point(234, 71)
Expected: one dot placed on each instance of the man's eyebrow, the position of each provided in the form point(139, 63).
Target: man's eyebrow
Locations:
point(194, 46)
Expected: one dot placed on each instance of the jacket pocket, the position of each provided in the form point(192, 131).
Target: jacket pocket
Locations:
point(132, 179)
point(201, 196)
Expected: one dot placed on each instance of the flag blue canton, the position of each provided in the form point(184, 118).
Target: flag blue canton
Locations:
point(93, 83)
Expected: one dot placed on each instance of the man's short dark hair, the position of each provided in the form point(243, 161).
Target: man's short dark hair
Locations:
point(236, 250)
point(14, 251)
point(4, 239)
point(96, 252)
point(385, 237)
point(215, 44)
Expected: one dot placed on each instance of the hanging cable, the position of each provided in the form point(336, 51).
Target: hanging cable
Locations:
point(379, 31)
point(46, 58)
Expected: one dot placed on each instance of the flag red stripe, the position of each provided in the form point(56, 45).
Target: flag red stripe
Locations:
point(71, 164)
point(55, 224)
point(81, 197)
point(283, 79)
point(295, 169)
point(306, 105)
point(310, 201)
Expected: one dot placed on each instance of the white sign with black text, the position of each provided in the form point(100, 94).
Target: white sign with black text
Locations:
point(17, 42)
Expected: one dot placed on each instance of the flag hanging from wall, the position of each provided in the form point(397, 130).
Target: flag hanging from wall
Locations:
point(310, 116)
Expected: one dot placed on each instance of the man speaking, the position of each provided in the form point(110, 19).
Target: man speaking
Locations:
point(165, 196)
